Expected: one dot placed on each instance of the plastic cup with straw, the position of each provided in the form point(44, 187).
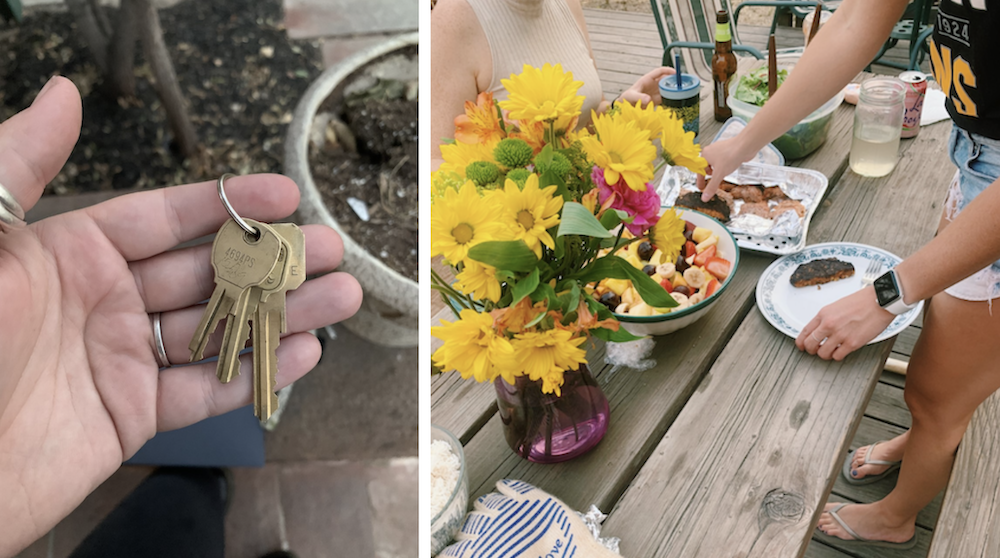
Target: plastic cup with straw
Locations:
point(681, 93)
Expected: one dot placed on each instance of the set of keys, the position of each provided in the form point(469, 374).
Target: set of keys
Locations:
point(255, 266)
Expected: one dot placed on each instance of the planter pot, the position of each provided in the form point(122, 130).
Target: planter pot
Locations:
point(390, 310)
point(550, 428)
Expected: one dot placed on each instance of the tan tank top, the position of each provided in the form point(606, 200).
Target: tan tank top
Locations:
point(537, 32)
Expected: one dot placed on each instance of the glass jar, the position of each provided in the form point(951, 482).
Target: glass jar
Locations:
point(878, 121)
point(549, 428)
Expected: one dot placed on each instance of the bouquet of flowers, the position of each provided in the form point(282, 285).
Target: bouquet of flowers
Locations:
point(529, 213)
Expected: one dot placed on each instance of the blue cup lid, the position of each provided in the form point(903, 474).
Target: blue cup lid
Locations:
point(689, 83)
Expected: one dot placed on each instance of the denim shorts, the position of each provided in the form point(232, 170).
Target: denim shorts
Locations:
point(978, 161)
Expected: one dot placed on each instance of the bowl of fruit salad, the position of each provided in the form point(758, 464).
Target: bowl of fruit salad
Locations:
point(696, 279)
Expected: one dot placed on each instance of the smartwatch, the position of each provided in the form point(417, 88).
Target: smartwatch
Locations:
point(890, 293)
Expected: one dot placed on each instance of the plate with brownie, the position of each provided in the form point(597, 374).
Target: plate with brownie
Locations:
point(795, 287)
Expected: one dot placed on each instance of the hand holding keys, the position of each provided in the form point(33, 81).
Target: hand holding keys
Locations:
point(253, 271)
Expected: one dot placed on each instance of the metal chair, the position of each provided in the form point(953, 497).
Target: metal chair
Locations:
point(690, 24)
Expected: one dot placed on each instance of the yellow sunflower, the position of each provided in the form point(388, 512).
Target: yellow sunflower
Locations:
point(480, 122)
point(459, 155)
point(460, 220)
point(531, 211)
point(542, 95)
point(679, 148)
point(479, 280)
point(545, 355)
point(668, 234)
point(472, 347)
point(623, 150)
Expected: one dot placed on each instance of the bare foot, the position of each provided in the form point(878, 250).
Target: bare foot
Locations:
point(891, 450)
point(866, 521)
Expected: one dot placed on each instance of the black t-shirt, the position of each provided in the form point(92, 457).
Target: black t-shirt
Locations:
point(966, 63)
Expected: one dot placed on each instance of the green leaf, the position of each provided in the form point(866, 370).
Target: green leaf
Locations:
point(548, 294)
point(612, 218)
point(569, 301)
point(549, 178)
point(577, 219)
point(511, 255)
point(560, 249)
point(620, 336)
point(616, 268)
point(525, 287)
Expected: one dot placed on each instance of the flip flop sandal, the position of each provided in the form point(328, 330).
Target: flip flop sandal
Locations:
point(869, 479)
point(858, 540)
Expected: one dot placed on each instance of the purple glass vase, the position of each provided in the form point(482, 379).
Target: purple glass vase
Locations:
point(546, 428)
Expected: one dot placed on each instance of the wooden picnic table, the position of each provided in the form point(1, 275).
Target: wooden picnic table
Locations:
point(731, 443)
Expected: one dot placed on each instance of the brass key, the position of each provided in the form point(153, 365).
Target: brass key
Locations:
point(240, 262)
point(269, 320)
point(238, 324)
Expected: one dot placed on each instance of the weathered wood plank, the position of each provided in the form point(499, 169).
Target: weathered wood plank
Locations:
point(710, 487)
point(887, 405)
point(971, 525)
point(643, 404)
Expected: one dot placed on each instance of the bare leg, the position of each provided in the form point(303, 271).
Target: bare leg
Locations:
point(952, 370)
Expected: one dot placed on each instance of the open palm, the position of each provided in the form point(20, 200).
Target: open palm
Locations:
point(79, 386)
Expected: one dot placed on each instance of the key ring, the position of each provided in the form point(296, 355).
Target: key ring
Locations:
point(229, 208)
point(11, 212)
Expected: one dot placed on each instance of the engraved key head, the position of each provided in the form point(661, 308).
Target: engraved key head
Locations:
point(242, 259)
point(295, 242)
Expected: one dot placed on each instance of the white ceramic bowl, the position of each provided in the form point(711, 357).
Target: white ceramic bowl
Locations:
point(447, 522)
point(679, 319)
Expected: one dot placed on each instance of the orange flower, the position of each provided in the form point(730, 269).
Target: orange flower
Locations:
point(513, 318)
point(479, 124)
point(587, 320)
point(533, 133)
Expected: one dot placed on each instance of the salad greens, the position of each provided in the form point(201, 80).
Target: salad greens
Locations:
point(752, 88)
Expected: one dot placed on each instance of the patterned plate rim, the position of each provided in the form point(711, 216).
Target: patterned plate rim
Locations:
point(770, 277)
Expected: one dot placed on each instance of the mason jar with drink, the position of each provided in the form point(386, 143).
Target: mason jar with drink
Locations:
point(878, 122)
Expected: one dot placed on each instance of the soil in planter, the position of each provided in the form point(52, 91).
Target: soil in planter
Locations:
point(367, 167)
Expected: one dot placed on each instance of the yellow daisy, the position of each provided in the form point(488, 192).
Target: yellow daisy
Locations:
point(623, 150)
point(532, 211)
point(679, 148)
point(460, 220)
point(545, 355)
point(479, 280)
point(542, 95)
point(645, 118)
point(459, 155)
point(668, 234)
point(472, 347)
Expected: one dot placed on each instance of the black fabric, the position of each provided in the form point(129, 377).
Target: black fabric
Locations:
point(965, 62)
point(176, 512)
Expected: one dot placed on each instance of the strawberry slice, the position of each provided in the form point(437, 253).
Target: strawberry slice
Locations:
point(703, 258)
point(690, 249)
point(718, 267)
point(666, 285)
point(712, 286)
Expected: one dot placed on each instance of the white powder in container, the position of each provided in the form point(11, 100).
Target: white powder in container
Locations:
point(445, 468)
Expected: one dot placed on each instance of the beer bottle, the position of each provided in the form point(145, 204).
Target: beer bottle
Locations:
point(723, 65)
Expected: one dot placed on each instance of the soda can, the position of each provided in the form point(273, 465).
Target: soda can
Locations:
point(913, 103)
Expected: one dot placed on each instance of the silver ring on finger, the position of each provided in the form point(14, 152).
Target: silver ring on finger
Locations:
point(159, 349)
point(816, 339)
point(11, 212)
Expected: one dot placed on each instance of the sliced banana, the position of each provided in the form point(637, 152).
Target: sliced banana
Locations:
point(622, 308)
point(682, 300)
point(696, 298)
point(695, 277)
point(666, 270)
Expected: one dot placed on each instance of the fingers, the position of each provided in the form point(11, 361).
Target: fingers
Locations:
point(35, 143)
point(634, 96)
point(143, 224)
point(712, 187)
point(181, 278)
point(189, 394)
point(317, 303)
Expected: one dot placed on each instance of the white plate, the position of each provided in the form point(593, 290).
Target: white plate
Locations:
point(790, 308)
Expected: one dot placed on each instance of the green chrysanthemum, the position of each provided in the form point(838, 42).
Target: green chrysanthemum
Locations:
point(560, 165)
point(519, 176)
point(513, 153)
point(482, 173)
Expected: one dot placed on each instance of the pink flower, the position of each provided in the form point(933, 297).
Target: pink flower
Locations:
point(643, 206)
